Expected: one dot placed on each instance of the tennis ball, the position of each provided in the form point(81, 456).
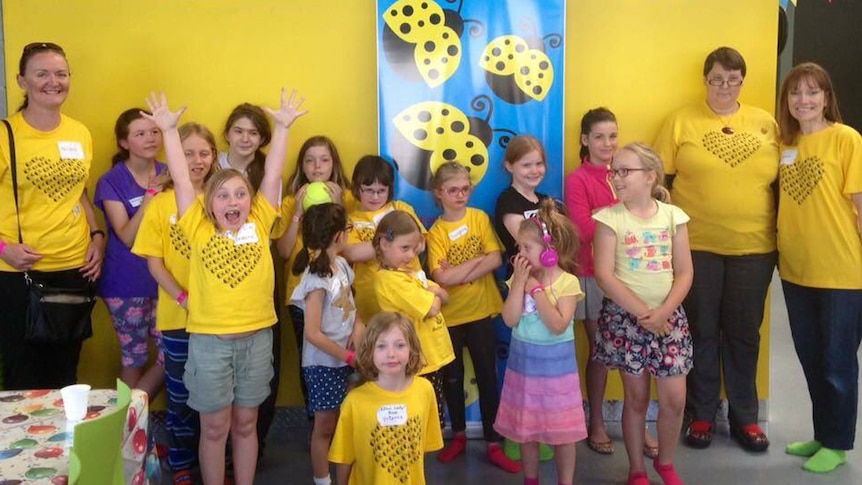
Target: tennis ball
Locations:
point(316, 193)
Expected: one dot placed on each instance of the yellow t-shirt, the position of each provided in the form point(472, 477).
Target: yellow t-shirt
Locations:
point(287, 211)
point(53, 168)
point(364, 226)
point(160, 236)
point(231, 277)
point(723, 181)
point(818, 239)
point(386, 434)
point(458, 242)
point(644, 252)
point(398, 291)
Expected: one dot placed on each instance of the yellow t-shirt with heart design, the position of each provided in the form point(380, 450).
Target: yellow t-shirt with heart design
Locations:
point(723, 180)
point(385, 434)
point(457, 242)
point(53, 168)
point(231, 277)
point(160, 236)
point(364, 225)
point(818, 235)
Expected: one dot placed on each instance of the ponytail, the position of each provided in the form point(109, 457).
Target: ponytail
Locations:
point(321, 224)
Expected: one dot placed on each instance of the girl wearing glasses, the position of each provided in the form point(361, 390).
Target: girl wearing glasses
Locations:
point(643, 264)
point(333, 331)
point(722, 156)
point(372, 185)
point(463, 252)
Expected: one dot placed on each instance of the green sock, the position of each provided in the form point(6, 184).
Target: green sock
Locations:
point(825, 460)
point(512, 450)
point(546, 453)
point(803, 448)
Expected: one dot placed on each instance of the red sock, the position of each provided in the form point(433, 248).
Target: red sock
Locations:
point(497, 456)
point(667, 473)
point(455, 448)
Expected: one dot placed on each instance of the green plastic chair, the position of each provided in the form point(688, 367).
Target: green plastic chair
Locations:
point(96, 456)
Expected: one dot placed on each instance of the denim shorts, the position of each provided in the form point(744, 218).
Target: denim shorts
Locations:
point(221, 372)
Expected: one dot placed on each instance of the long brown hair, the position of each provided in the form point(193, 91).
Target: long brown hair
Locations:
point(377, 326)
point(258, 118)
point(814, 75)
point(186, 130)
point(298, 179)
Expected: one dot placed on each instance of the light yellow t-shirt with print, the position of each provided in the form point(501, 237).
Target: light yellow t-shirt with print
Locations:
point(818, 238)
point(398, 291)
point(160, 236)
point(644, 252)
point(53, 169)
point(456, 243)
point(287, 211)
point(231, 276)
point(723, 181)
point(364, 225)
point(384, 435)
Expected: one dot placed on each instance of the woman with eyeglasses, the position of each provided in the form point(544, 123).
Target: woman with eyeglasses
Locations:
point(721, 157)
point(50, 211)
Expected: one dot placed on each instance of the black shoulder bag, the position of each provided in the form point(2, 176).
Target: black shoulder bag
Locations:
point(55, 314)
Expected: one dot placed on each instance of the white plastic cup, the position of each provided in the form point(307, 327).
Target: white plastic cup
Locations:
point(75, 399)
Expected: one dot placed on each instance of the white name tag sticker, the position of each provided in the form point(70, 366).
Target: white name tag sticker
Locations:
point(380, 216)
point(392, 415)
point(531, 213)
point(70, 150)
point(136, 201)
point(788, 156)
point(420, 275)
point(172, 219)
point(458, 233)
point(247, 234)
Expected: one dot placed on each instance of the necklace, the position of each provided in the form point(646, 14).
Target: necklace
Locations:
point(725, 121)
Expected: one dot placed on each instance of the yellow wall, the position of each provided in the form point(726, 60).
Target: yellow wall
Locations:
point(641, 58)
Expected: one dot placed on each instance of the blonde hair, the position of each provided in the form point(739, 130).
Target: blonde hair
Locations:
point(445, 173)
point(382, 323)
point(186, 130)
point(652, 163)
point(564, 236)
point(215, 182)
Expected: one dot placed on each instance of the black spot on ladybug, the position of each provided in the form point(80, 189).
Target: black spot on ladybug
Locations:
point(405, 28)
point(446, 35)
point(421, 23)
point(434, 19)
point(420, 135)
point(469, 144)
point(424, 5)
point(507, 42)
point(433, 74)
point(519, 48)
point(501, 65)
point(449, 154)
point(452, 50)
point(457, 127)
point(537, 90)
point(543, 65)
point(406, 118)
point(496, 51)
point(477, 159)
point(408, 11)
point(541, 75)
point(532, 56)
point(424, 116)
point(528, 82)
point(444, 60)
point(525, 70)
point(444, 112)
point(429, 46)
point(393, 12)
point(440, 130)
point(426, 61)
point(511, 56)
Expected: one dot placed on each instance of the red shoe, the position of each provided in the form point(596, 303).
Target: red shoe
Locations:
point(750, 437)
point(497, 456)
point(699, 434)
point(455, 448)
point(638, 478)
point(667, 473)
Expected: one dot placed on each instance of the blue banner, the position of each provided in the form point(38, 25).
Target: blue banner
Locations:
point(457, 80)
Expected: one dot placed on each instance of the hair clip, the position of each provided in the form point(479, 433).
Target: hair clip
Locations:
point(390, 234)
point(313, 254)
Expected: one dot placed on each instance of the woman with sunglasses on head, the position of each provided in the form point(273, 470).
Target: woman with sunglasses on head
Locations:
point(48, 229)
point(722, 159)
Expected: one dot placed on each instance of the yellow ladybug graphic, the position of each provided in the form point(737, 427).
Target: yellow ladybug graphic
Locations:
point(518, 70)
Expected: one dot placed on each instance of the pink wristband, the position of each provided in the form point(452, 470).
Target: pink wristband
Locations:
point(2, 247)
point(152, 191)
point(351, 356)
point(182, 297)
point(537, 289)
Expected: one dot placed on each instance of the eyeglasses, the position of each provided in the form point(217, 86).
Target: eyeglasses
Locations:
point(718, 82)
point(624, 172)
point(455, 191)
point(369, 192)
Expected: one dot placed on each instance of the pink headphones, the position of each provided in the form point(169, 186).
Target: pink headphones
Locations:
point(549, 257)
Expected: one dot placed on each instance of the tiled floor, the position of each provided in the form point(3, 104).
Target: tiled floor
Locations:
point(286, 459)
